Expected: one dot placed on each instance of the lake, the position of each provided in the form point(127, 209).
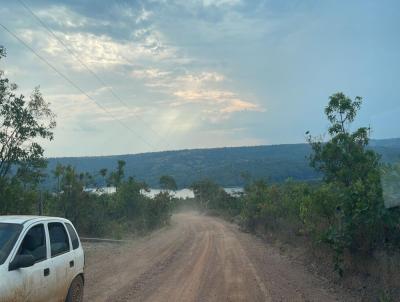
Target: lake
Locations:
point(182, 193)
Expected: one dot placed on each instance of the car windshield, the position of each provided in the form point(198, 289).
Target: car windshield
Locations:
point(9, 233)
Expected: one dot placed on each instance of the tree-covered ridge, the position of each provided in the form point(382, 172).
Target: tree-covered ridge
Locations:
point(228, 167)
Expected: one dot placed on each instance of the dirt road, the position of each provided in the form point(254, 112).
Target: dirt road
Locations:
point(197, 258)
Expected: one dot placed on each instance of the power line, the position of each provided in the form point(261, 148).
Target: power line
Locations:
point(94, 74)
point(195, 169)
point(75, 85)
point(199, 170)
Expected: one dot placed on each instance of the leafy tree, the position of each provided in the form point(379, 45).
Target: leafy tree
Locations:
point(86, 179)
point(87, 211)
point(21, 123)
point(71, 194)
point(103, 173)
point(58, 171)
point(391, 184)
point(15, 200)
point(116, 177)
point(159, 210)
point(353, 172)
point(129, 197)
point(211, 196)
point(255, 200)
point(205, 192)
point(168, 183)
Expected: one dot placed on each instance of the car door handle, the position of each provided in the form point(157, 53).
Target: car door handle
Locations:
point(71, 264)
point(46, 272)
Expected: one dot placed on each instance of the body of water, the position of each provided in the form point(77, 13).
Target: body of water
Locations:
point(182, 193)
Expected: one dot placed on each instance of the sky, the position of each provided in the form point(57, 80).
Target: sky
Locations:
point(164, 75)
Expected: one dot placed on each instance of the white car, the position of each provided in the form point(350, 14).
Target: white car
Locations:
point(41, 259)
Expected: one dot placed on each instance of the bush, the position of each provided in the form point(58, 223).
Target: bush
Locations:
point(127, 210)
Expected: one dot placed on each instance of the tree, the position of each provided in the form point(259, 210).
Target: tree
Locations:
point(58, 172)
point(71, 196)
point(353, 174)
point(391, 184)
point(206, 192)
point(130, 202)
point(103, 172)
point(158, 210)
point(168, 183)
point(115, 178)
point(21, 123)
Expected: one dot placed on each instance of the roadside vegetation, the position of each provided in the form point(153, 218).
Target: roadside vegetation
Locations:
point(343, 215)
point(97, 213)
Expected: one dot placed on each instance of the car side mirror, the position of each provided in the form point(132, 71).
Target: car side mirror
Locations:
point(21, 261)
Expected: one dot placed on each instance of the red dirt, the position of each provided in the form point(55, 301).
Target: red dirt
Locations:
point(198, 258)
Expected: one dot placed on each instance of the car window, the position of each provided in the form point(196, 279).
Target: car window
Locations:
point(9, 233)
point(34, 243)
point(73, 235)
point(59, 241)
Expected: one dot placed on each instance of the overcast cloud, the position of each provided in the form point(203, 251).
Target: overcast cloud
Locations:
point(203, 73)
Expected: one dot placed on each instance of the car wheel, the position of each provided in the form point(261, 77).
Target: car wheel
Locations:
point(75, 293)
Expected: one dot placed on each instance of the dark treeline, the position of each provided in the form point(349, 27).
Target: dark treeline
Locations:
point(224, 166)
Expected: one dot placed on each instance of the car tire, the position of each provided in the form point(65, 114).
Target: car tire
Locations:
point(75, 292)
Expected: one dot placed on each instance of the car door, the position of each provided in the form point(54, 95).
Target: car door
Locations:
point(31, 283)
point(77, 263)
point(62, 260)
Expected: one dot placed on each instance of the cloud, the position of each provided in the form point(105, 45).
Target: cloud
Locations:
point(200, 78)
point(200, 95)
point(236, 105)
point(204, 89)
point(173, 79)
point(201, 88)
point(151, 73)
point(76, 107)
point(183, 83)
point(137, 15)
point(207, 3)
point(218, 104)
point(15, 71)
point(146, 47)
point(99, 51)
point(144, 15)
point(203, 3)
point(97, 45)
point(63, 17)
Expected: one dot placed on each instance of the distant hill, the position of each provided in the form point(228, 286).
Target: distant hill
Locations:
point(226, 166)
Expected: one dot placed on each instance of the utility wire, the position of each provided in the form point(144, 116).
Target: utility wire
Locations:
point(98, 78)
point(195, 169)
point(75, 85)
point(199, 170)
